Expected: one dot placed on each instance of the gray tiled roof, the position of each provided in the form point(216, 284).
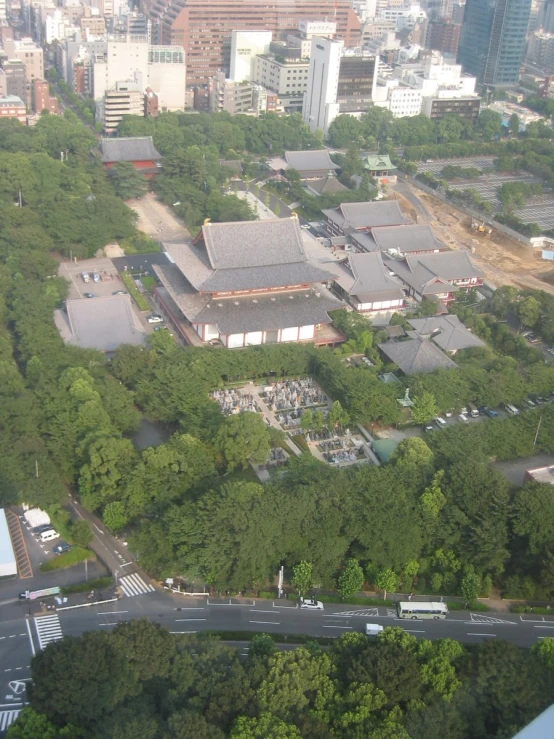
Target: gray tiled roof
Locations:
point(422, 272)
point(448, 332)
point(370, 282)
point(407, 239)
point(100, 323)
point(268, 312)
point(326, 185)
point(189, 300)
point(253, 243)
point(136, 148)
point(256, 278)
point(367, 215)
point(310, 160)
point(416, 355)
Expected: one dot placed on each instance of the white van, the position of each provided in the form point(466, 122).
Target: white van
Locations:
point(373, 629)
point(48, 535)
point(441, 423)
point(511, 410)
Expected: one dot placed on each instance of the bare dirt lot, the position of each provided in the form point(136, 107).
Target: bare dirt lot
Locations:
point(504, 261)
point(157, 220)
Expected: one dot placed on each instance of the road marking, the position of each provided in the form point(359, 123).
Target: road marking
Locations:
point(255, 610)
point(133, 584)
point(273, 623)
point(190, 608)
point(114, 623)
point(98, 528)
point(30, 637)
point(48, 629)
point(190, 619)
point(110, 613)
point(543, 627)
point(415, 631)
point(183, 632)
point(12, 636)
point(337, 627)
point(473, 634)
point(7, 718)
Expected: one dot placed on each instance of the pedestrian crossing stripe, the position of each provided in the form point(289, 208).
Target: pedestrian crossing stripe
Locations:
point(7, 718)
point(132, 585)
point(48, 629)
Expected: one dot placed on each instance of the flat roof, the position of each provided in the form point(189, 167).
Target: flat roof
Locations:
point(543, 474)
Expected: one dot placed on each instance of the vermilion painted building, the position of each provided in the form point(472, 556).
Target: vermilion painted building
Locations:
point(139, 150)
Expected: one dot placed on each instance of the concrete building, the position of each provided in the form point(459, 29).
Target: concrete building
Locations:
point(467, 108)
point(166, 76)
point(540, 51)
point(308, 30)
point(443, 36)
point(15, 78)
point(229, 96)
point(42, 99)
point(126, 99)
point(286, 77)
point(13, 107)
point(492, 42)
point(320, 99)
point(245, 47)
point(32, 57)
point(357, 82)
point(204, 29)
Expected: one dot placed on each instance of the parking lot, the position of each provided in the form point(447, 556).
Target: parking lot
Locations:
point(539, 209)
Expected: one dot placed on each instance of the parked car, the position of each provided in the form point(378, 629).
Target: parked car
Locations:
point(90, 295)
point(96, 277)
point(120, 292)
point(40, 529)
point(540, 400)
point(154, 318)
point(161, 328)
point(85, 276)
point(464, 411)
point(441, 423)
point(491, 413)
point(312, 604)
point(61, 548)
point(448, 414)
point(429, 429)
point(463, 418)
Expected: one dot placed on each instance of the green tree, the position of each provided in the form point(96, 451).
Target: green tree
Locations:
point(302, 577)
point(78, 680)
point(127, 181)
point(489, 124)
point(115, 516)
point(469, 588)
point(266, 726)
point(513, 124)
point(528, 311)
point(243, 438)
point(351, 579)
point(386, 581)
point(543, 649)
point(533, 516)
point(424, 408)
point(147, 646)
point(81, 533)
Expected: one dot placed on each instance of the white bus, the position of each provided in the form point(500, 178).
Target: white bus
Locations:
point(414, 609)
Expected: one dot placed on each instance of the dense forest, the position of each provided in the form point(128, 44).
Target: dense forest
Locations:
point(141, 681)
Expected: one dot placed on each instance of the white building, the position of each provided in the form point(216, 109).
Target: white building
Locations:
point(308, 30)
point(403, 17)
point(245, 46)
point(320, 99)
point(161, 68)
point(126, 99)
point(286, 77)
point(402, 101)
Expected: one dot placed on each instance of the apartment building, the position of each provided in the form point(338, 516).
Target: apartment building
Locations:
point(32, 57)
point(13, 107)
point(126, 99)
point(286, 77)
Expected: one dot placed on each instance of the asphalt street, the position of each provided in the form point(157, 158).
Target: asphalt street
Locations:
point(23, 634)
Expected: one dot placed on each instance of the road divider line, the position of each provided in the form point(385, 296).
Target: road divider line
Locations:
point(190, 619)
point(337, 627)
point(110, 613)
point(112, 624)
point(543, 627)
point(190, 608)
point(255, 610)
point(30, 637)
point(183, 632)
point(273, 623)
point(414, 631)
point(474, 634)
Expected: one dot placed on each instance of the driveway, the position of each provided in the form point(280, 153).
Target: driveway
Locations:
point(158, 220)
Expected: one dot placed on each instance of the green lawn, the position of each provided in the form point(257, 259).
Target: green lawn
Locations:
point(73, 557)
point(149, 282)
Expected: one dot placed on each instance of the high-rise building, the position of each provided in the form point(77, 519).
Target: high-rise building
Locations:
point(16, 79)
point(357, 81)
point(492, 42)
point(126, 99)
point(546, 17)
point(42, 100)
point(320, 99)
point(32, 57)
point(204, 28)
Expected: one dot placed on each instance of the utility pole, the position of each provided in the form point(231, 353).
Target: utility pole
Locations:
point(537, 434)
point(36, 469)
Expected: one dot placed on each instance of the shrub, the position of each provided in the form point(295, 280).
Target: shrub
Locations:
point(73, 557)
point(139, 299)
point(99, 583)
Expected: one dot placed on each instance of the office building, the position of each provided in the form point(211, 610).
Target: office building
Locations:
point(286, 77)
point(546, 17)
point(204, 29)
point(229, 96)
point(32, 57)
point(357, 81)
point(166, 76)
point(15, 78)
point(320, 99)
point(493, 37)
point(126, 99)
point(13, 107)
point(540, 51)
point(443, 36)
point(308, 30)
point(245, 46)
point(42, 100)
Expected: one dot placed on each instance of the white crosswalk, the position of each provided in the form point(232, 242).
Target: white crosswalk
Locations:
point(134, 585)
point(7, 718)
point(48, 629)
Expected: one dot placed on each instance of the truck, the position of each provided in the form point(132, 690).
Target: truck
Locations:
point(473, 410)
